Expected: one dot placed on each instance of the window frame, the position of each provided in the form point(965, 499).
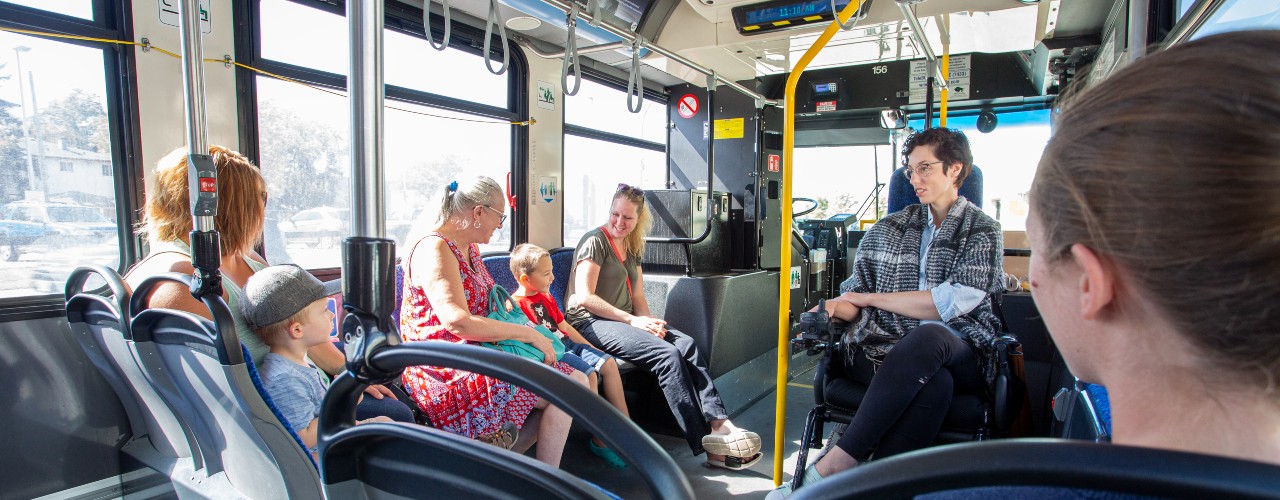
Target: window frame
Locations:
point(112, 20)
point(407, 20)
point(609, 81)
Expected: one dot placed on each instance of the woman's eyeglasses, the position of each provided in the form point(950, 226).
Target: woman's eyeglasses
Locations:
point(502, 217)
point(921, 169)
point(632, 190)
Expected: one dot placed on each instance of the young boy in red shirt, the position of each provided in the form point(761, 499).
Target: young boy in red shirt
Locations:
point(531, 266)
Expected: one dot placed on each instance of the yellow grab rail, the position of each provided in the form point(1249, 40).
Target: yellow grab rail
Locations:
point(784, 274)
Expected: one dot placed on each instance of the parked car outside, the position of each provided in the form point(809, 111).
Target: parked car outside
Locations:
point(24, 223)
point(320, 227)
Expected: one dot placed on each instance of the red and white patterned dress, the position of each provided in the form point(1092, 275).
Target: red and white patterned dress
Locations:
point(458, 401)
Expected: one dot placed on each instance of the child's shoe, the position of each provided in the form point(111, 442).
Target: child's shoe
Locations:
point(608, 455)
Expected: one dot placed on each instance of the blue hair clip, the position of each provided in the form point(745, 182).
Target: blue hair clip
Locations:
point(453, 186)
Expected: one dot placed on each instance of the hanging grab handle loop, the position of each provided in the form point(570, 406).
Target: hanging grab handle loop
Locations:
point(593, 9)
point(426, 24)
point(495, 17)
point(571, 51)
point(853, 20)
point(635, 84)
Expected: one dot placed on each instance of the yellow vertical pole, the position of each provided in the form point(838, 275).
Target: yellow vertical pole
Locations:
point(946, 68)
point(784, 276)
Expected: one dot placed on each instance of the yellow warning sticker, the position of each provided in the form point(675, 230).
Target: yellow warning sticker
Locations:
point(729, 128)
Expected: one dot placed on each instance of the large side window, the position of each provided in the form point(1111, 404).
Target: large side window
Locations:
point(436, 130)
point(1008, 157)
point(58, 167)
point(604, 145)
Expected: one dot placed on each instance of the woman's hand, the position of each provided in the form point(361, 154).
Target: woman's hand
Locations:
point(858, 299)
point(841, 309)
point(655, 326)
point(543, 344)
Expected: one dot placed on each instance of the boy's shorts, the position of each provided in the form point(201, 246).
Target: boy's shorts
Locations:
point(577, 363)
point(591, 356)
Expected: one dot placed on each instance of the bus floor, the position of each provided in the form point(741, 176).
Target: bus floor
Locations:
point(708, 482)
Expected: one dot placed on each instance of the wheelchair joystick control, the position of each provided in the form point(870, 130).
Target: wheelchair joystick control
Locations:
point(814, 329)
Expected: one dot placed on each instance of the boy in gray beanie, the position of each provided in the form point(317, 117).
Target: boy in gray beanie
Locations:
point(286, 307)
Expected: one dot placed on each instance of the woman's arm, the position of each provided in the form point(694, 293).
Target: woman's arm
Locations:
point(169, 295)
point(586, 276)
point(638, 299)
point(437, 268)
point(915, 304)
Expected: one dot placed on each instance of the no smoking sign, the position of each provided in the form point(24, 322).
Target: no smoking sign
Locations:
point(687, 106)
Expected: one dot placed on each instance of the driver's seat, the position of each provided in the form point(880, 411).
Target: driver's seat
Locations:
point(901, 194)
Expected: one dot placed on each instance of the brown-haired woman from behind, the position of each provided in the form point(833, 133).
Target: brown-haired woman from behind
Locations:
point(1155, 249)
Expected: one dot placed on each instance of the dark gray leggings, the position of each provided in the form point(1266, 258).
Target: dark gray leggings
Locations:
point(681, 370)
point(908, 397)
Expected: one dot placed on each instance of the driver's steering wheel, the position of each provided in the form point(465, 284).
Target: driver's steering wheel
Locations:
point(802, 213)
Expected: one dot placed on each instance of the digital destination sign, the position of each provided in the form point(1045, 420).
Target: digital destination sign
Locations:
point(780, 14)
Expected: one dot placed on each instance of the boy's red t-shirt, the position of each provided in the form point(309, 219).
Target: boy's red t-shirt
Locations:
point(541, 308)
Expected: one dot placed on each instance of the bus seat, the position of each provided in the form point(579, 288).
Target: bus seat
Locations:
point(99, 323)
point(901, 194)
point(1097, 394)
point(242, 438)
point(1039, 468)
point(395, 311)
point(499, 266)
point(561, 267)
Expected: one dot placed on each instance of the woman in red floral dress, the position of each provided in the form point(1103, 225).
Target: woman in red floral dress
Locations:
point(446, 298)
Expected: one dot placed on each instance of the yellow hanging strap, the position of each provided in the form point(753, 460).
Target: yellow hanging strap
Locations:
point(784, 276)
point(146, 47)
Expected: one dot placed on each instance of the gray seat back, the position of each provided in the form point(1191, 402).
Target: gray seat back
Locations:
point(100, 326)
point(238, 432)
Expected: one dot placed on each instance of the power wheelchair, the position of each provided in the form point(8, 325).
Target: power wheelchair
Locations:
point(971, 417)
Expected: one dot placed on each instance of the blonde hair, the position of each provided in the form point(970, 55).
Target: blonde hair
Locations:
point(458, 197)
point(241, 201)
point(278, 333)
point(1172, 174)
point(525, 257)
point(644, 220)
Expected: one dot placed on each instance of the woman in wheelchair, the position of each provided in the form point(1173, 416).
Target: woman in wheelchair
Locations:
point(919, 302)
point(1173, 305)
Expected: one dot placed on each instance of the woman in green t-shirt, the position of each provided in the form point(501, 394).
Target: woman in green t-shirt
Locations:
point(603, 307)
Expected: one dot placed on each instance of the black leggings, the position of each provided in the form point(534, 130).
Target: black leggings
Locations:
point(908, 397)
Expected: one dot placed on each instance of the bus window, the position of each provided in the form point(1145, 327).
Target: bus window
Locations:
point(82, 9)
point(1008, 157)
point(304, 138)
point(841, 179)
point(304, 149)
point(57, 181)
point(595, 159)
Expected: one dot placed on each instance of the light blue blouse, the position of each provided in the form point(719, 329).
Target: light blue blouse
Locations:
point(949, 298)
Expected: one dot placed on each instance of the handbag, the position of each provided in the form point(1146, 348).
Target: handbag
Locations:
point(503, 308)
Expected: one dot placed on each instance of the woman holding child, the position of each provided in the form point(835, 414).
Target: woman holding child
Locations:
point(603, 307)
point(242, 204)
point(446, 299)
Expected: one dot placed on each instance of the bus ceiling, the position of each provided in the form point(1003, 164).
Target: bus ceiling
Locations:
point(1049, 40)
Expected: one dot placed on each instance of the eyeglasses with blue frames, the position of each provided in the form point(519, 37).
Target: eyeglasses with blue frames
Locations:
point(921, 169)
point(502, 217)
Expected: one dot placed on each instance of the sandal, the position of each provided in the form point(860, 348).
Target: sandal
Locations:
point(735, 463)
point(608, 455)
point(739, 443)
point(504, 437)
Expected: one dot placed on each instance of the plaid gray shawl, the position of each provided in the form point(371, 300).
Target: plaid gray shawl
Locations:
point(967, 250)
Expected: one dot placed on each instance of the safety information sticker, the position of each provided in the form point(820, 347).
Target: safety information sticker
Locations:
point(957, 80)
point(795, 277)
point(729, 128)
